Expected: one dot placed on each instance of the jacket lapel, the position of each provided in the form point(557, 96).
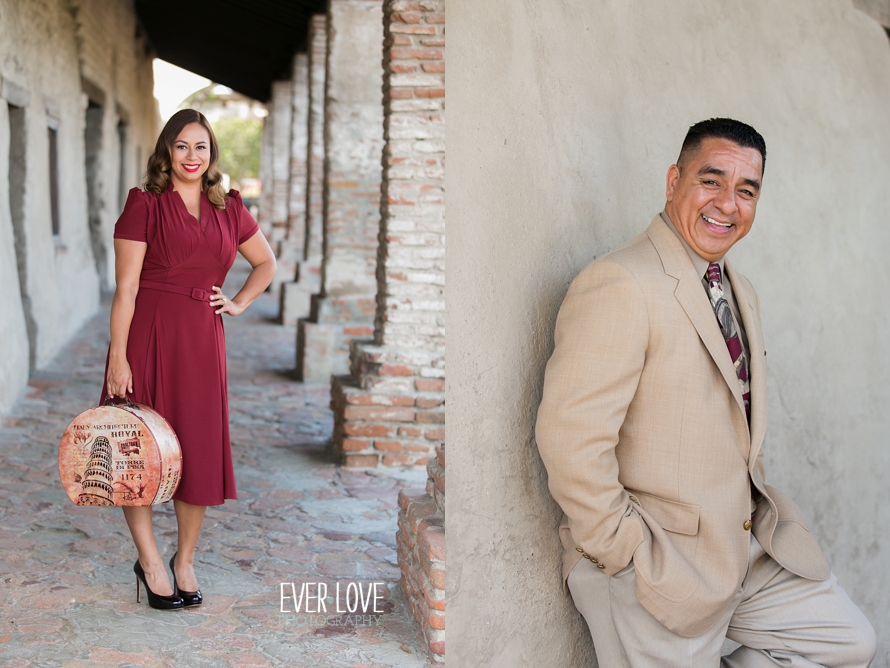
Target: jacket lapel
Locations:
point(692, 298)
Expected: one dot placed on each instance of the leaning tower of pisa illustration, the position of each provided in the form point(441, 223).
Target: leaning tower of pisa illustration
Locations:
point(97, 479)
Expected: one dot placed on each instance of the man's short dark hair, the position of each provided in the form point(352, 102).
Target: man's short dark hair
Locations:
point(722, 128)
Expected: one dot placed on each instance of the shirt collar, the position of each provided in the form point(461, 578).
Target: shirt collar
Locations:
point(700, 264)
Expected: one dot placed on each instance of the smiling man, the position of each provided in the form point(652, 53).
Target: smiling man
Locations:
point(651, 428)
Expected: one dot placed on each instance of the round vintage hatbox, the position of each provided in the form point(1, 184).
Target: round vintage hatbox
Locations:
point(119, 455)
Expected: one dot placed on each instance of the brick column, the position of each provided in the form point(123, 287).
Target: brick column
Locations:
point(282, 98)
point(345, 306)
point(299, 147)
point(390, 410)
point(294, 298)
point(421, 553)
point(264, 218)
point(275, 163)
point(318, 45)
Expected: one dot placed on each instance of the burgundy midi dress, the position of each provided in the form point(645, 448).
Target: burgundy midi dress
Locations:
point(177, 347)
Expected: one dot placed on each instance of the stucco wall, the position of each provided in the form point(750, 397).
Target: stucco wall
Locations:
point(114, 58)
point(14, 337)
point(99, 41)
point(564, 119)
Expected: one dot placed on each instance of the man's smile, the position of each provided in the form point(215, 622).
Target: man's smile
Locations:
point(711, 222)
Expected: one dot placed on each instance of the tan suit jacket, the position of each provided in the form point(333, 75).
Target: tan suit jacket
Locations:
point(644, 436)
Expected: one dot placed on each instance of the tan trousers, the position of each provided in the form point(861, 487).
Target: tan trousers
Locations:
point(778, 618)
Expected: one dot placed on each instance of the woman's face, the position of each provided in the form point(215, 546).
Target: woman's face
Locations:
point(190, 157)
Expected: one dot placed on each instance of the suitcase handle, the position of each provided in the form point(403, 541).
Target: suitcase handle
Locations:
point(116, 401)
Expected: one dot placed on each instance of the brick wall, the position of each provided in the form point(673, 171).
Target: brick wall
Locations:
point(421, 553)
point(345, 306)
point(386, 412)
point(390, 409)
point(411, 263)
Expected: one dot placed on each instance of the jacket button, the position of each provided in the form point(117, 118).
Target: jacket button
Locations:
point(748, 524)
point(587, 556)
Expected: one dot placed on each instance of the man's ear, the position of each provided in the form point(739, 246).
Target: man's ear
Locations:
point(673, 175)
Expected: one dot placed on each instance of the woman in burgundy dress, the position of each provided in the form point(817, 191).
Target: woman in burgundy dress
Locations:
point(174, 243)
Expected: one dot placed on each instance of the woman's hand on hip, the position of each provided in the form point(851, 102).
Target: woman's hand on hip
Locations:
point(223, 304)
point(119, 378)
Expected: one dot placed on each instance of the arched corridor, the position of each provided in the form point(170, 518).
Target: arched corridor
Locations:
point(67, 570)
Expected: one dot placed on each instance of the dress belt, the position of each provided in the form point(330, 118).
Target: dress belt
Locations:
point(195, 293)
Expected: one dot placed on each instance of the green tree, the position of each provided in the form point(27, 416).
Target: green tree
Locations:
point(239, 146)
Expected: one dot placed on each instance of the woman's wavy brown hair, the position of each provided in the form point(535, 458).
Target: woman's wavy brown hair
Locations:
point(157, 174)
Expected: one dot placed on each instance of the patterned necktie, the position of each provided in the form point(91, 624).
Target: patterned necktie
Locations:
point(730, 332)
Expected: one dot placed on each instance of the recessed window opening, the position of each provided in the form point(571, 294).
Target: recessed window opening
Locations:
point(17, 184)
point(122, 132)
point(92, 140)
point(54, 180)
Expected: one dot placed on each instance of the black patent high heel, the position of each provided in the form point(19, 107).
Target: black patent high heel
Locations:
point(188, 597)
point(156, 601)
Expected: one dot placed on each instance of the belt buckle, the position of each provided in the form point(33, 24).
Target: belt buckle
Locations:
point(199, 294)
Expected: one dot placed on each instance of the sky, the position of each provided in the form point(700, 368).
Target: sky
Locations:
point(172, 85)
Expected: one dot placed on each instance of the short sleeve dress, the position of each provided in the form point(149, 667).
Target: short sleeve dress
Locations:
point(177, 348)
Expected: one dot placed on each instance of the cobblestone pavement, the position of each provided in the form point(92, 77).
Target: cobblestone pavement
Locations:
point(68, 594)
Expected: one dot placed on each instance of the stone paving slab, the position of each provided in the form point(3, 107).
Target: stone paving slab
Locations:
point(68, 592)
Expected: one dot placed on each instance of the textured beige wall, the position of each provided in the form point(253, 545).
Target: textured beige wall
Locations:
point(13, 335)
point(564, 117)
point(113, 56)
point(62, 280)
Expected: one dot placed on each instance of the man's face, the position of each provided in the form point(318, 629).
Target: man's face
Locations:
point(713, 199)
